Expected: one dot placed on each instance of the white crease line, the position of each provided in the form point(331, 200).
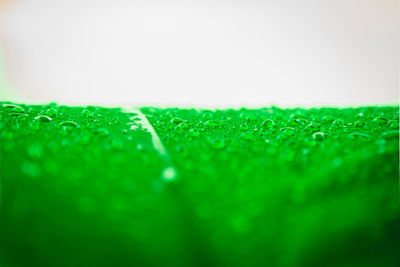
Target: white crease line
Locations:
point(169, 172)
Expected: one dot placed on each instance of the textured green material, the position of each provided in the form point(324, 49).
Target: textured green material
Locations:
point(262, 187)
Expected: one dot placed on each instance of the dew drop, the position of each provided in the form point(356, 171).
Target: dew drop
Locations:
point(177, 120)
point(217, 143)
point(268, 124)
point(194, 132)
point(318, 136)
point(358, 136)
point(69, 124)
point(103, 132)
point(359, 124)
point(247, 136)
point(211, 123)
point(244, 127)
point(52, 112)
point(394, 124)
point(169, 174)
point(288, 131)
point(379, 120)
point(391, 134)
point(13, 108)
point(43, 118)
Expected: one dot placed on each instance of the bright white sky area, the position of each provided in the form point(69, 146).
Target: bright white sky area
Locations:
point(201, 52)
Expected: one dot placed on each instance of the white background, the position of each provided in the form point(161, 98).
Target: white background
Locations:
point(202, 53)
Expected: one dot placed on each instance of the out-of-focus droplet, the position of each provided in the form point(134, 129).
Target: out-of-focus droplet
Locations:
point(103, 132)
point(391, 134)
point(169, 174)
point(359, 136)
point(194, 132)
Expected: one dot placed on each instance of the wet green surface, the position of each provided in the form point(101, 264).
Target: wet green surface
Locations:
point(264, 187)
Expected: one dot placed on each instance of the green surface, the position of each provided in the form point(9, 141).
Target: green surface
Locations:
point(262, 187)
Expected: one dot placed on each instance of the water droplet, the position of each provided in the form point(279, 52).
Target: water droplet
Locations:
point(169, 174)
point(247, 136)
point(116, 144)
point(319, 136)
point(35, 151)
point(394, 124)
point(391, 134)
point(328, 118)
point(379, 120)
point(52, 112)
point(13, 108)
point(211, 123)
point(177, 120)
point(217, 143)
point(31, 169)
point(359, 124)
point(297, 115)
point(103, 132)
point(244, 127)
point(69, 124)
point(178, 129)
point(358, 136)
point(43, 118)
point(288, 131)
point(34, 125)
point(194, 132)
point(338, 123)
point(268, 124)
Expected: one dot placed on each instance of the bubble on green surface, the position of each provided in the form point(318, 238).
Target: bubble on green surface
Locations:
point(13, 108)
point(328, 118)
point(359, 136)
point(268, 124)
point(211, 123)
point(116, 144)
point(380, 121)
point(103, 132)
point(194, 132)
point(301, 121)
point(394, 124)
point(35, 151)
point(177, 120)
point(139, 147)
point(244, 127)
point(183, 125)
point(247, 136)
point(338, 122)
point(178, 129)
point(359, 124)
point(31, 169)
point(52, 112)
point(34, 125)
point(391, 134)
point(319, 136)
point(43, 118)
point(296, 115)
point(288, 131)
point(69, 124)
point(169, 174)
